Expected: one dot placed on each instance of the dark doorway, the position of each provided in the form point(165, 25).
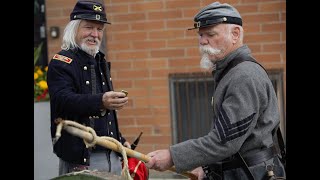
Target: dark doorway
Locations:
point(39, 30)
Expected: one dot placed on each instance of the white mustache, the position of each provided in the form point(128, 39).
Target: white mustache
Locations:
point(209, 50)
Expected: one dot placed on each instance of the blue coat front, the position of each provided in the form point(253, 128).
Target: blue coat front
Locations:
point(76, 84)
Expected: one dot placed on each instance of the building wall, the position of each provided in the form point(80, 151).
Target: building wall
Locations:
point(148, 39)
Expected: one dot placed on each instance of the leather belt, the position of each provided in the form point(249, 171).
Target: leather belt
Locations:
point(250, 160)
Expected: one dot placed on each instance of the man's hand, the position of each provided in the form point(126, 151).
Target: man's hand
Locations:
point(198, 172)
point(160, 160)
point(114, 100)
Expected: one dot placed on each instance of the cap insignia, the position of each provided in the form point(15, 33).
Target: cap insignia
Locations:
point(197, 25)
point(97, 17)
point(97, 8)
point(62, 58)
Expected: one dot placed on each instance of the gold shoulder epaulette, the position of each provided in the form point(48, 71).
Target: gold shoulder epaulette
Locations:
point(62, 58)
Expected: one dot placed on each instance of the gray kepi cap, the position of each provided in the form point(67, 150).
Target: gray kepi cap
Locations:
point(216, 13)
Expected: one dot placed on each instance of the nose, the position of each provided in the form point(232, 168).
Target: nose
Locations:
point(94, 32)
point(203, 40)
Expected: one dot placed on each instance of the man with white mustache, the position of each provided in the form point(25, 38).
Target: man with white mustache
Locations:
point(81, 90)
point(240, 144)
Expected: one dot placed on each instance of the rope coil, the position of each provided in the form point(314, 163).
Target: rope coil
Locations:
point(90, 139)
point(125, 174)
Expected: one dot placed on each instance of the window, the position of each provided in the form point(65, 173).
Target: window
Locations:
point(191, 110)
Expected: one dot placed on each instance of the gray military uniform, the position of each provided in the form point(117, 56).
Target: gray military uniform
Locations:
point(245, 112)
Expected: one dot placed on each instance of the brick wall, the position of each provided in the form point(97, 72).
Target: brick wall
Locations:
point(148, 40)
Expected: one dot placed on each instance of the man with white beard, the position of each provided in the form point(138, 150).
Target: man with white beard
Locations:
point(81, 90)
point(240, 144)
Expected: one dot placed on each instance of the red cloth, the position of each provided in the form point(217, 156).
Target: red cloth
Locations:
point(137, 169)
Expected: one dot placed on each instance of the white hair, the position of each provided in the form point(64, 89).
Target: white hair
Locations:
point(69, 35)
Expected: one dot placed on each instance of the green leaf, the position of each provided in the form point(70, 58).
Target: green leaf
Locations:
point(37, 52)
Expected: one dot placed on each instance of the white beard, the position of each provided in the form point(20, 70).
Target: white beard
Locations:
point(92, 51)
point(206, 63)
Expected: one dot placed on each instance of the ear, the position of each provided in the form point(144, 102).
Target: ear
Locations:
point(235, 34)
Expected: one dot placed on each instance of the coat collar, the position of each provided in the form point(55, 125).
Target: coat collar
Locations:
point(223, 63)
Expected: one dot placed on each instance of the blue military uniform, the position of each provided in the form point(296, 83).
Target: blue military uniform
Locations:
point(76, 84)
